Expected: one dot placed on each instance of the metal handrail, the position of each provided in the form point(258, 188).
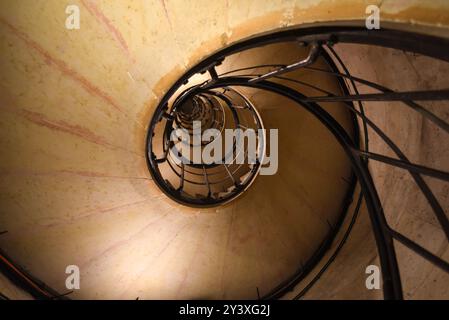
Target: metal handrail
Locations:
point(328, 36)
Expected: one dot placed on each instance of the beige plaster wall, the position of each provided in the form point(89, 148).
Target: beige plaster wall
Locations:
point(74, 184)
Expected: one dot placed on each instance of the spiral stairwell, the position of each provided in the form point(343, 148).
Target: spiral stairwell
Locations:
point(88, 179)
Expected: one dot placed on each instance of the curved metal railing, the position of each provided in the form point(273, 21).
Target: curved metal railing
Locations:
point(215, 91)
point(177, 133)
point(321, 40)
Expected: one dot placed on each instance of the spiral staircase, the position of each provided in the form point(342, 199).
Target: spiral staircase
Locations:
point(88, 178)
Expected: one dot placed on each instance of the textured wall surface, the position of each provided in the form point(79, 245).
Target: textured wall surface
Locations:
point(406, 208)
point(74, 186)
